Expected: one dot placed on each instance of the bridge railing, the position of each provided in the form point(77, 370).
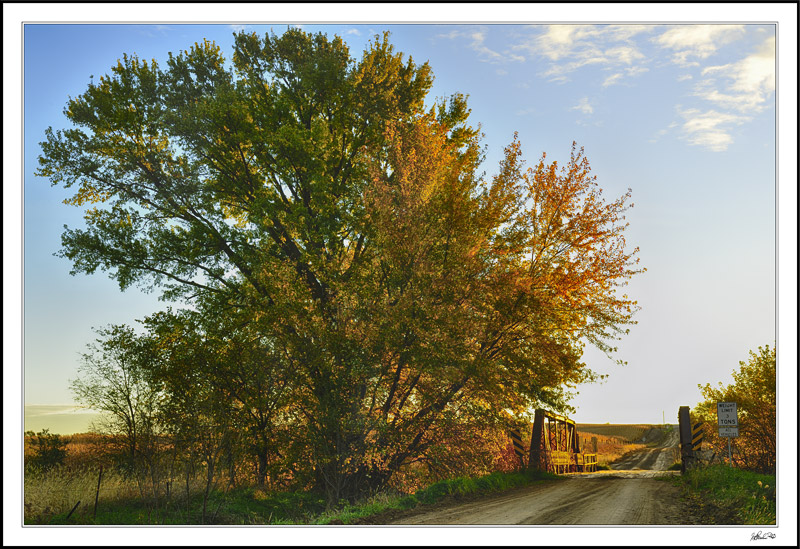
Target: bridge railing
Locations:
point(587, 463)
point(555, 446)
point(560, 462)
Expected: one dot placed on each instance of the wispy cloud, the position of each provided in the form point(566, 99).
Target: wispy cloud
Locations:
point(662, 132)
point(736, 91)
point(690, 42)
point(750, 82)
point(353, 31)
point(583, 106)
point(238, 28)
point(148, 30)
point(477, 43)
point(710, 129)
point(570, 47)
point(617, 77)
point(527, 112)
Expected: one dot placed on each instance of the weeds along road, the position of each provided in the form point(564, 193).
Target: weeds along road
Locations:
point(630, 493)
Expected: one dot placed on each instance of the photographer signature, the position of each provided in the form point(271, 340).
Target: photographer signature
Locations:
point(759, 535)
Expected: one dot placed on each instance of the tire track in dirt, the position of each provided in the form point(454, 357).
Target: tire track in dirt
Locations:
point(652, 459)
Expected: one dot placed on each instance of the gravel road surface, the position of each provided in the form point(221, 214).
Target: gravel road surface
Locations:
point(630, 493)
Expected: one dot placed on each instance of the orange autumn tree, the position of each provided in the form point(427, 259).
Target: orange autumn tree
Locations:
point(483, 292)
point(337, 240)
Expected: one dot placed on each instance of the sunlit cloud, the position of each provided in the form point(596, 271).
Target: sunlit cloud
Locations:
point(710, 129)
point(452, 35)
point(697, 41)
point(583, 106)
point(559, 41)
point(617, 77)
point(571, 47)
point(751, 81)
point(613, 79)
point(353, 31)
point(684, 77)
point(634, 71)
point(622, 54)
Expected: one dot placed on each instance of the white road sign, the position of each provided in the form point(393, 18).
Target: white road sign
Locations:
point(726, 415)
point(729, 432)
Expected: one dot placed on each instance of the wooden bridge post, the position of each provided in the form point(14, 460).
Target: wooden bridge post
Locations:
point(537, 436)
point(685, 430)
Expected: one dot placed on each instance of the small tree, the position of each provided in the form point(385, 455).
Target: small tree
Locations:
point(49, 449)
point(753, 391)
point(113, 381)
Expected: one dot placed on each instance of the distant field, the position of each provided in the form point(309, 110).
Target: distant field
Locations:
point(628, 433)
point(613, 440)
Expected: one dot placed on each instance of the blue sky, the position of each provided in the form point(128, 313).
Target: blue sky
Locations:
point(682, 115)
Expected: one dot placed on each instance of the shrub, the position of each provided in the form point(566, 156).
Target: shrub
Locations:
point(49, 449)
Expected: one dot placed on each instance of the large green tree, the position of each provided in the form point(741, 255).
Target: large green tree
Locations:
point(374, 275)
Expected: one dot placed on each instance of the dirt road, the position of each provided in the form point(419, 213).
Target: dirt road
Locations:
point(657, 458)
point(630, 493)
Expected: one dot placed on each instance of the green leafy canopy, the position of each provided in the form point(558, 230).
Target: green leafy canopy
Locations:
point(336, 240)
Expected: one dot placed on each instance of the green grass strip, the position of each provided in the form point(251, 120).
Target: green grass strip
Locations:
point(450, 488)
point(735, 496)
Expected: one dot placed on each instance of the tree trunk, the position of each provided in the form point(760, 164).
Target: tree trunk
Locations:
point(262, 466)
point(209, 481)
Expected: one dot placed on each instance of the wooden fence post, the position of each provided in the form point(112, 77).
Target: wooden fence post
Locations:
point(73, 509)
point(97, 493)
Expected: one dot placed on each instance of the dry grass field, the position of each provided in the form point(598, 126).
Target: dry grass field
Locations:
point(57, 491)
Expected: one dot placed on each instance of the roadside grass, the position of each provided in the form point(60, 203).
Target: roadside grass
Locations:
point(726, 495)
point(461, 487)
point(50, 497)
